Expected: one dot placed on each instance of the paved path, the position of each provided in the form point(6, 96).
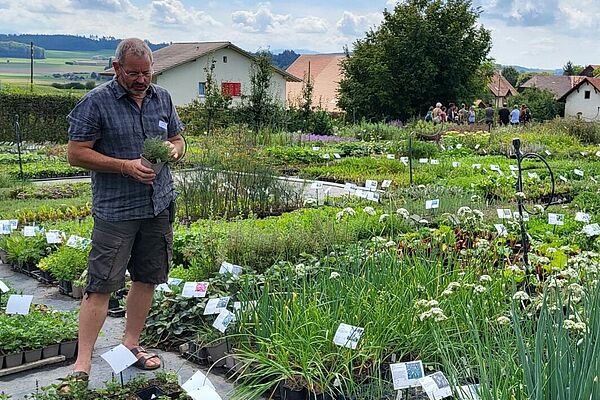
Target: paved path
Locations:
point(20, 384)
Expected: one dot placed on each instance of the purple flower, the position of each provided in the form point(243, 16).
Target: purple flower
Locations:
point(323, 138)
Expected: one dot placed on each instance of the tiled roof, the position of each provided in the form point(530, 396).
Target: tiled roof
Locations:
point(595, 82)
point(325, 74)
point(500, 87)
point(557, 84)
point(177, 54)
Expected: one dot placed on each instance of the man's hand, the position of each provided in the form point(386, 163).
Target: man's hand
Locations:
point(174, 152)
point(137, 171)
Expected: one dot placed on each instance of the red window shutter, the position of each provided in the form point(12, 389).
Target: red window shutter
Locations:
point(226, 89)
point(237, 89)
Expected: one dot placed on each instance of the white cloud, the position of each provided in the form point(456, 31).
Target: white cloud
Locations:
point(356, 25)
point(310, 25)
point(103, 5)
point(263, 20)
point(173, 14)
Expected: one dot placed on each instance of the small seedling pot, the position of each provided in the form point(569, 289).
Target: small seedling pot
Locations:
point(68, 348)
point(50, 350)
point(152, 392)
point(32, 355)
point(156, 167)
point(13, 360)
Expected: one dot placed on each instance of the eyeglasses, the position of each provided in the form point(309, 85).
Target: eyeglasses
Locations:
point(135, 75)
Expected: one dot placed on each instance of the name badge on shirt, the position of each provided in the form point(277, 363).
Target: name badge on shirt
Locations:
point(162, 124)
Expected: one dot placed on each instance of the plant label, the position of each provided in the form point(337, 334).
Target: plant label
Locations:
point(459, 146)
point(562, 178)
point(174, 281)
point(119, 358)
point(504, 213)
point(326, 156)
point(477, 146)
point(386, 183)
point(215, 306)
point(517, 216)
point(348, 336)
point(77, 242)
point(391, 156)
point(513, 167)
point(194, 289)
point(3, 287)
point(371, 184)
point(197, 381)
point(548, 153)
point(224, 319)
point(556, 219)
point(583, 153)
point(593, 179)
point(468, 392)
point(501, 229)
point(373, 196)
point(583, 217)
point(163, 287)
point(362, 193)
point(435, 162)
point(423, 160)
point(404, 160)
point(476, 166)
point(243, 306)
point(578, 172)
point(5, 227)
point(233, 269)
point(455, 164)
point(29, 231)
point(204, 393)
point(407, 374)
point(19, 304)
point(337, 156)
point(495, 167)
point(54, 237)
point(316, 148)
point(533, 175)
point(14, 223)
point(316, 185)
point(436, 386)
point(430, 204)
point(350, 187)
point(591, 230)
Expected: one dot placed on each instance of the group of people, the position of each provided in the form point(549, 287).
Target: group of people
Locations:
point(440, 114)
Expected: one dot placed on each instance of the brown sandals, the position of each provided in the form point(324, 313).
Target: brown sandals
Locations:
point(141, 362)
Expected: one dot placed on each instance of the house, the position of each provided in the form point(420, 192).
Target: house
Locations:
point(591, 70)
point(501, 89)
point(583, 100)
point(559, 85)
point(181, 69)
point(325, 75)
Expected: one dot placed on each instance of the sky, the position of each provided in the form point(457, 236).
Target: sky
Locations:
point(531, 33)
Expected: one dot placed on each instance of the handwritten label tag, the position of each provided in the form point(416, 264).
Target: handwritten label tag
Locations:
point(556, 219)
point(162, 125)
point(29, 231)
point(504, 213)
point(583, 217)
point(215, 306)
point(194, 289)
point(371, 184)
point(455, 164)
point(326, 156)
point(436, 386)
point(19, 304)
point(223, 320)
point(54, 237)
point(476, 166)
point(407, 374)
point(316, 185)
point(435, 162)
point(337, 156)
point(513, 167)
point(196, 381)
point(204, 393)
point(391, 156)
point(386, 183)
point(423, 160)
point(578, 172)
point(430, 204)
point(348, 336)
point(501, 229)
point(562, 178)
point(119, 358)
point(316, 148)
point(233, 269)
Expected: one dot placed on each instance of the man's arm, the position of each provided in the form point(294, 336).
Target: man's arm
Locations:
point(82, 154)
point(177, 147)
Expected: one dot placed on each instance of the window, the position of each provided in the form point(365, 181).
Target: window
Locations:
point(201, 89)
point(232, 89)
point(587, 94)
point(224, 59)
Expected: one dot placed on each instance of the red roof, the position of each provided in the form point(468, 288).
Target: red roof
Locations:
point(500, 87)
point(595, 82)
point(557, 84)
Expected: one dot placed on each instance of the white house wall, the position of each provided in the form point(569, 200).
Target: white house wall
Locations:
point(182, 81)
point(577, 103)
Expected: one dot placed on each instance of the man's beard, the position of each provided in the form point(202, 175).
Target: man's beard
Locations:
point(136, 89)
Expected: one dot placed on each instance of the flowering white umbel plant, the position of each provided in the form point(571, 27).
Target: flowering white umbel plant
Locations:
point(383, 217)
point(403, 212)
point(436, 313)
point(485, 278)
point(464, 211)
point(334, 275)
point(520, 195)
point(369, 210)
point(520, 295)
point(502, 320)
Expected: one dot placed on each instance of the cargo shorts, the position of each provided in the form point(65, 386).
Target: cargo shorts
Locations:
point(144, 247)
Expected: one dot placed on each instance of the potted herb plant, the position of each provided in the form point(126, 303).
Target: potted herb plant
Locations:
point(156, 154)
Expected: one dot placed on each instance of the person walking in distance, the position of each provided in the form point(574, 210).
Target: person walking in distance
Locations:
point(504, 115)
point(514, 116)
point(133, 207)
point(489, 117)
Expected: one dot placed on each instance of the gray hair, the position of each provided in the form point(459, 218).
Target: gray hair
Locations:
point(134, 46)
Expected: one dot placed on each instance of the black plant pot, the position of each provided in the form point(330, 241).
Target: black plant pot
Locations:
point(116, 312)
point(47, 278)
point(13, 360)
point(216, 353)
point(50, 350)
point(32, 355)
point(113, 303)
point(65, 287)
point(151, 392)
point(68, 348)
point(287, 393)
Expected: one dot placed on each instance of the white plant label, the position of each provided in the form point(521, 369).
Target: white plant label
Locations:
point(436, 386)
point(423, 160)
point(316, 148)
point(513, 167)
point(204, 393)
point(197, 381)
point(477, 146)
point(5, 227)
point(348, 336)
point(583, 153)
point(435, 162)
point(119, 358)
point(371, 184)
point(29, 231)
point(224, 319)
point(468, 392)
point(361, 193)
point(533, 175)
point(495, 167)
point(77, 242)
point(429, 204)
point(19, 304)
point(194, 289)
point(407, 374)
point(442, 147)
point(455, 164)
point(215, 306)
point(14, 223)
point(163, 287)
point(316, 185)
point(501, 229)
point(591, 230)
point(233, 269)
point(593, 179)
point(517, 216)
point(578, 172)
point(404, 160)
point(583, 217)
point(391, 156)
point(476, 166)
point(174, 281)
point(386, 183)
point(504, 213)
point(54, 237)
point(3, 287)
point(373, 196)
point(326, 156)
point(350, 187)
point(562, 178)
point(548, 153)
point(556, 219)
point(459, 145)
point(337, 156)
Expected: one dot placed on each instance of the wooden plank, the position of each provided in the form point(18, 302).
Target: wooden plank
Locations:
point(31, 365)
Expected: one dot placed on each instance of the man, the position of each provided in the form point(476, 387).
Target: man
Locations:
point(489, 117)
point(132, 206)
point(504, 115)
point(514, 116)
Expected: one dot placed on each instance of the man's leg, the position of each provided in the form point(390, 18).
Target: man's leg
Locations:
point(139, 301)
point(91, 318)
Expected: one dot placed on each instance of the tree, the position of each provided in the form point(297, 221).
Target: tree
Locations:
point(214, 100)
point(541, 103)
point(511, 75)
point(570, 69)
point(259, 102)
point(424, 51)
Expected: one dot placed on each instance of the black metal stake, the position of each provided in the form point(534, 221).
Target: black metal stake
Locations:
point(18, 139)
point(410, 151)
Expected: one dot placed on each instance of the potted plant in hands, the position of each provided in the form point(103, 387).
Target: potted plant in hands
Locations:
point(156, 154)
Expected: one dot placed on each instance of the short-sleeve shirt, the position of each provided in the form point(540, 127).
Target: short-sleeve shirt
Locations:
point(108, 116)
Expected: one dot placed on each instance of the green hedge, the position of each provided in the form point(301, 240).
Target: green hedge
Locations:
point(43, 118)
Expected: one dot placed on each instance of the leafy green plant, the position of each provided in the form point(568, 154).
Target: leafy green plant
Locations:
point(156, 150)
